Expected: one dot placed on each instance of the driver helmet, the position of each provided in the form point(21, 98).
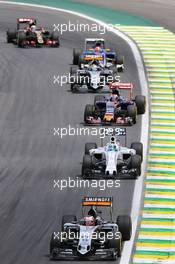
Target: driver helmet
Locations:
point(32, 23)
point(33, 28)
point(114, 97)
point(116, 91)
point(89, 221)
point(98, 49)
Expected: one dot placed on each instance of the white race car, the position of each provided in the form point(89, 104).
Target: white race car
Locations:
point(112, 160)
point(92, 237)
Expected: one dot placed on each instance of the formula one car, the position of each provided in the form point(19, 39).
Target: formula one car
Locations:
point(94, 77)
point(29, 34)
point(112, 160)
point(92, 237)
point(95, 48)
point(115, 108)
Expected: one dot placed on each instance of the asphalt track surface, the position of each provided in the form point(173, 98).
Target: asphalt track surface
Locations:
point(159, 11)
point(31, 157)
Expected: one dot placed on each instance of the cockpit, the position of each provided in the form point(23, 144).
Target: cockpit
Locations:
point(112, 147)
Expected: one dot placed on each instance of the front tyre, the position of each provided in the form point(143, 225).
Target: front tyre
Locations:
point(138, 146)
point(55, 37)
point(132, 113)
point(87, 166)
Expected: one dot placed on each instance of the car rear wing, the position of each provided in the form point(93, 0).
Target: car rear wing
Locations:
point(94, 202)
point(122, 86)
point(25, 20)
point(93, 56)
point(94, 39)
point(97, 201)
point(119, 85)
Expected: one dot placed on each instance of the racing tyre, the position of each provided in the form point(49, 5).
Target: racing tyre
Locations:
point(73, 70)
point(80, 61)
point(136, 162)
point(74, 87)
point(115, 75)
point(11, 36)
point(76, 54)
point(55, 243)
point(21, 39)
point(140, 101)
point(68, 219)
point(116, 244)
point(89, 146)
point(138, 146)
point(86, 166)
point(89, 111)
point(99, 98)
point(120, 61)
point(132, 112)
point(55, 37)
point(125, 226)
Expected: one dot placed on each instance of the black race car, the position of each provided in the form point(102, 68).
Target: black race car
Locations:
point(28, 33)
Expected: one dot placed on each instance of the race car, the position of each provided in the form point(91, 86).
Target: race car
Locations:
point(94, 77)
point(116, 108)
point(112, 160)
point(28, 34)
point(92, 237)
point(94, 48)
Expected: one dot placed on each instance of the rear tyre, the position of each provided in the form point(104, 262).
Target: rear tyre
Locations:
point(11, 36)
point(125, 226)
point(86, 166)
point(115, 74)
point(21, 41)
point(132, 112)
point(89, 146)
point(89, 111)
point(138, 146)
point(140, 101)
point(136, 163)
point(76, 54)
